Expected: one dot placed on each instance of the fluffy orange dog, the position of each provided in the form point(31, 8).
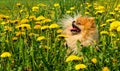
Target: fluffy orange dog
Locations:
point(79, 28)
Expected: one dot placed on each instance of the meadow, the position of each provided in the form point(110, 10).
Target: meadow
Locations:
point(31, 38)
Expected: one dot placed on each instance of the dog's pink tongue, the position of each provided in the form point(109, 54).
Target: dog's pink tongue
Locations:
point(74, 29)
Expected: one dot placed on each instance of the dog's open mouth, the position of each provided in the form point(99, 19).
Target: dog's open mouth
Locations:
point(75, 29)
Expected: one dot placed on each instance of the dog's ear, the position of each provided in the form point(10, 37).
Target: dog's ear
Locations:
point(92, 22)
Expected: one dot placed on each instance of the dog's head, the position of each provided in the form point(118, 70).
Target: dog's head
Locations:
point(82, 24)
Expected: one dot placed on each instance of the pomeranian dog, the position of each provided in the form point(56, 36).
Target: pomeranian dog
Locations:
point(81, 29)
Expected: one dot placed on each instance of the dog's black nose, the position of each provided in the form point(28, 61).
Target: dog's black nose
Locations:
point(73, 24)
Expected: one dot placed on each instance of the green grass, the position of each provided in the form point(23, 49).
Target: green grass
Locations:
point(49, 53)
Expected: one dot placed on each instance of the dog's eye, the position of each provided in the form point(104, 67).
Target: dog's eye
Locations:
point(79, 23)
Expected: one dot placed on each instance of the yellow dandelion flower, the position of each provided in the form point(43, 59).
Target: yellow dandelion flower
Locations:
point(24, 21)
point(103, 25)
point(68, 11)
point(99, 8)
point(59, 31)
point(3, 23)
point(104, 32)
point(47, 20)
point(38, 23)
point(23, 27)
point(100, 12)
point(54, 25)
point(7, 28)
point(15, 21)
point(73, 57)
point(105, 69)
point(87, 13)
point(21, 11)
point(19, 33)
point(112, 13)
point(118, 29)
point(7, 41)
point(19, 4)
point(80, 66)
point(62, 36)
point(110, 20)
point(37, 27)
point(44, 27)
point(40, 38)
point(72, 8)
point(31, 34)
point(46, 47)
point(40, 18)
point(4, 17)
point(116, 9)
point(15, 38)
point(35, 8)
point(114, 25)
point(56, 5)
point(5, 54)
point(94, 60)
point(32, 17)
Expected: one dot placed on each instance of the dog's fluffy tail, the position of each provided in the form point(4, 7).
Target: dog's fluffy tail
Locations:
point(67, 20)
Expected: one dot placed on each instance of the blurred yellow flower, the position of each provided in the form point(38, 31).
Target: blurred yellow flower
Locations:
point(5, 54)
point(15, 38)
point(38, 23)
point(80, 66)
point(56, 5)
point(116, 9)
point(7, 28)
point(21, 11)
point(73, 57)
point(112, 13)
point(72, 8)
point(23, 27)
point(118, 29)
point(87, 13)
point(94, 60)
point(44, 27)
point(4, 16)
point(47, 20)
point(99, 12)
point(24, 21)
point(45, 46)
point(37, 27)
point(105, 69)
point(19, 33)
point(68, 11)
point(54, 25)
point(40, 38)
point(99, 8)
point(103, 25)
point(110, 20)
point(32, 17)
point(114, 25)
point(59, 31)
point(40, 18)
point(19, 4)
point(61, 36)
point(3, 23)
point(35, 8)
point(104, 32)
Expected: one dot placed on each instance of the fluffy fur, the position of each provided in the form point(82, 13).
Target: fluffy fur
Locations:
point(79, 28)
